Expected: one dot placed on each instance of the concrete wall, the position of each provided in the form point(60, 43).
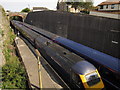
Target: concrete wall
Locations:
point(96, 32)
point(103, 14)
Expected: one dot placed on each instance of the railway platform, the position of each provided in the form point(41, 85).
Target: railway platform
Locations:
point(45, 77)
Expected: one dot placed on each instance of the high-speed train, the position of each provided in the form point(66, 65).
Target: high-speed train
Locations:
point(108, 66)
point(75, 70)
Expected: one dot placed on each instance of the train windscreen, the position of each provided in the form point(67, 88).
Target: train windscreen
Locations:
point(92, 79)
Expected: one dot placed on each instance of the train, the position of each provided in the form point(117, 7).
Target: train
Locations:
point(108, 66)
point(76, 71)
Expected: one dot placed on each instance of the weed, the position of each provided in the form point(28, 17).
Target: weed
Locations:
point(1, 32)
point(13, 73)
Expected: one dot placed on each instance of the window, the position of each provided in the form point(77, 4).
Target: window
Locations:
point(92, 79)
point(76, 80)
point(75, 77)
point(106, 6)
point(112, 6)
point(101, 7)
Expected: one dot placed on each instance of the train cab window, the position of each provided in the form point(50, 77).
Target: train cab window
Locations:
point(92, 79)
point(76, 78)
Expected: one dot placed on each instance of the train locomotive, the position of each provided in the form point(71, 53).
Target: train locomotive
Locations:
point(75, 70)
point(108, 66)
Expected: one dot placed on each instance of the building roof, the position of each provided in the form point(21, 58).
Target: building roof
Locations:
point(38, 8)
point(108, 3)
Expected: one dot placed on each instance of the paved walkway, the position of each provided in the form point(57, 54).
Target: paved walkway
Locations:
point(30, 62)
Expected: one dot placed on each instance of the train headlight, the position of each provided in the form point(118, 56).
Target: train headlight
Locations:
point(92, 78)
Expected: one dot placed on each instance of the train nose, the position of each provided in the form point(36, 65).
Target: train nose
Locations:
point(92, 80)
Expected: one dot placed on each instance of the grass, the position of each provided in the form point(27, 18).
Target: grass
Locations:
point(3, 12)
point(1, 32)
point(13, 73)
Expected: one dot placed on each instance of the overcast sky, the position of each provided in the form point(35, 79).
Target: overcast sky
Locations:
point(18, 5)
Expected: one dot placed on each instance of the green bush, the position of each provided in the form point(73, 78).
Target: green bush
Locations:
point(7, 43)
point(26, 10)
point(13, 74)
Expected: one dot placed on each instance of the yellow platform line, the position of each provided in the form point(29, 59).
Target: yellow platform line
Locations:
point(39, 68)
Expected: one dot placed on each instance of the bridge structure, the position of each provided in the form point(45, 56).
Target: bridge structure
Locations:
point(18, 14)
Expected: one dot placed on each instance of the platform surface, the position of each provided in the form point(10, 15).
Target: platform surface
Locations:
point(48, 79)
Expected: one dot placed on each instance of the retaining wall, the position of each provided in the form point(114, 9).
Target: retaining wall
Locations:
point(99, 33)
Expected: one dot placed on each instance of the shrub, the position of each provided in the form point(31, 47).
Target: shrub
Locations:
point(13, 73)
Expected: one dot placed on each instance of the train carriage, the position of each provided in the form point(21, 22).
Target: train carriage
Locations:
point(77, 71)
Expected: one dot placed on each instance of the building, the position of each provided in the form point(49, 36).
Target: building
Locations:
point(109, 9)
point(112, 0)
point(63, 5)
point(109, 6)
point(39, 9)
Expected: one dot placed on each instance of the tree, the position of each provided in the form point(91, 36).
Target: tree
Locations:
point(88, 6)
point(26, 10)
point(76, 4)
point(84, 5)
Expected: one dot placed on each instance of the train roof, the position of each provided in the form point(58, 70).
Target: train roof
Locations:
point(63, 55)
point(84, 67)
point(67, 59)
point(97, 56)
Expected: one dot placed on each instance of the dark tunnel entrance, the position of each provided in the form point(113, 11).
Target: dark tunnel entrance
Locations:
point(18, 18)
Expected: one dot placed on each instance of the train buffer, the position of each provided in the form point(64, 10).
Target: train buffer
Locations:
point(39, 77)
